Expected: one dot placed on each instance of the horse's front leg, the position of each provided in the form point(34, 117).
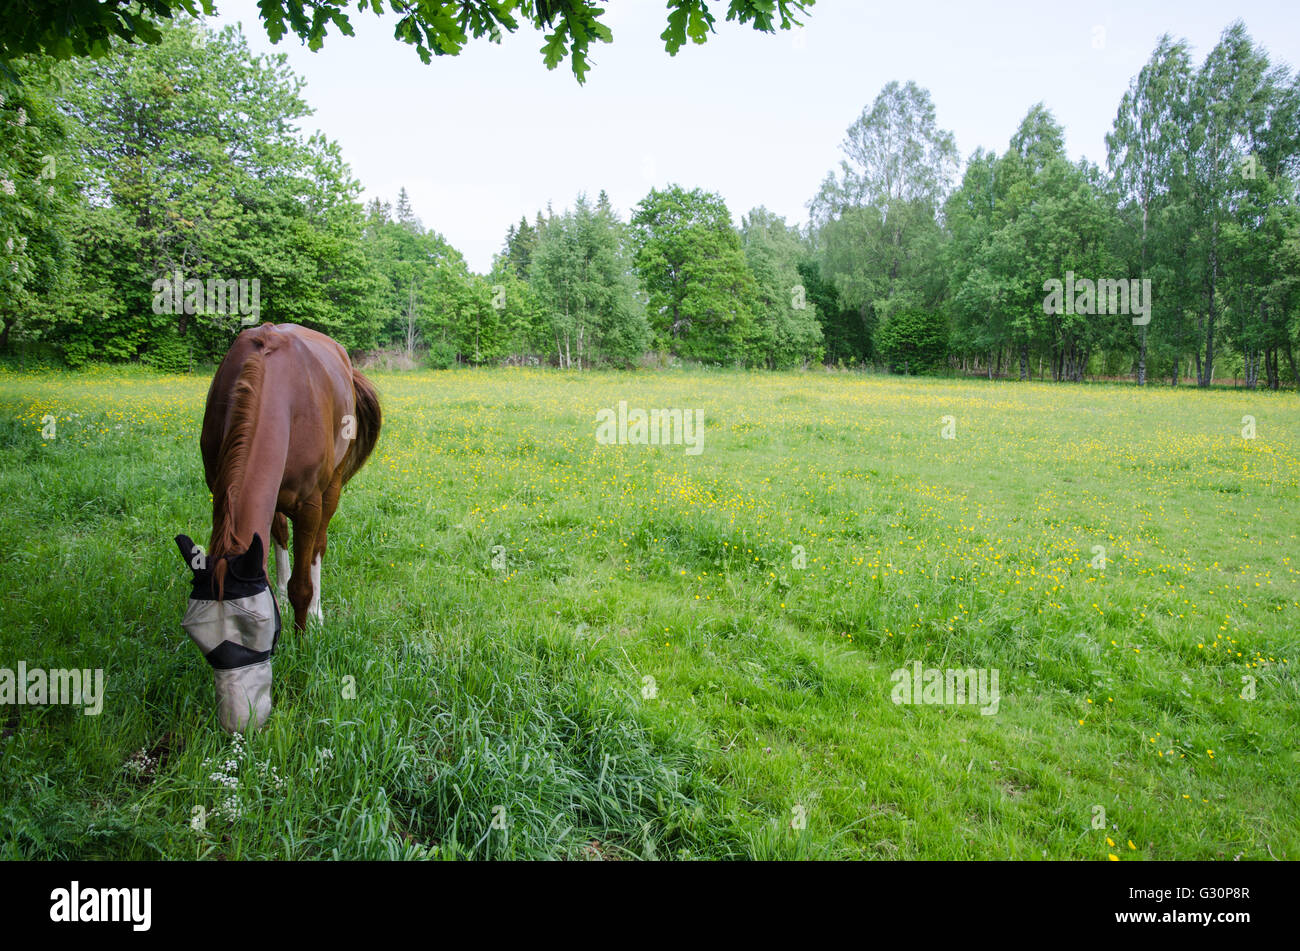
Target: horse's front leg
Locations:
point(306, 567)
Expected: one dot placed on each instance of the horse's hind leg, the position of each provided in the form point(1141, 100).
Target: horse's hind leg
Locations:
point(329, 503)
point(280, 535)
point(306, 522)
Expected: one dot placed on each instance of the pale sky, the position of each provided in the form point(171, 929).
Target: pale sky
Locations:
point(483, 137)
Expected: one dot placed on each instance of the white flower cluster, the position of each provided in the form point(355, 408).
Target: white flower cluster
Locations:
point(7, 187)
point(140, 764)
point(239, 765)
point(270, 776)
point(324, 756)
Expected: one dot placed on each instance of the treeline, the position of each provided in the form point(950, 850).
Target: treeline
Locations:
point(156, 200)
point(1186, 248)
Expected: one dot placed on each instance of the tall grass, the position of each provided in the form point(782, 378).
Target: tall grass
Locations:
point(536, 646)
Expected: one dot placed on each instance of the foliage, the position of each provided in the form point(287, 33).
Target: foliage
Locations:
point(422, 279)
point(786, 330)
point(913, 341)
point(64, 28)
point(692, 266)
point(584, 285)
point(877, 222)
point(179, 160)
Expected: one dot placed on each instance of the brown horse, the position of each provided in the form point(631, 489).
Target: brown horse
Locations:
point(288, 422)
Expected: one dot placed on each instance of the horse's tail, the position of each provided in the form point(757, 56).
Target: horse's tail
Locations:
point(369, 420)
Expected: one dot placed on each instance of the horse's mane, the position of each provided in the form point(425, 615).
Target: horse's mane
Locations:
point(231, 461)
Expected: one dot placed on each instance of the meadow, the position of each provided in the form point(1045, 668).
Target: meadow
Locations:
point(539, 646)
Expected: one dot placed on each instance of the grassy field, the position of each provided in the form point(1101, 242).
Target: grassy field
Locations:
point(619, 651)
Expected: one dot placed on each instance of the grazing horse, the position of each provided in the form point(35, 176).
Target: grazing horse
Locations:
point(288, 422)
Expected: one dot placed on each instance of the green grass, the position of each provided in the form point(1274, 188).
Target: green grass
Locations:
point(499, 587)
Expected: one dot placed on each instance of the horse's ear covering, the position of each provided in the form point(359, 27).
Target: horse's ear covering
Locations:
point(249, 564)
point(186, 545)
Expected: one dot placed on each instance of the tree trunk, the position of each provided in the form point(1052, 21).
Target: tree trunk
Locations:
point(1205, 375)
point(1024, 361)
point(410, 320)
point(1142, 359)
point(1142, 344)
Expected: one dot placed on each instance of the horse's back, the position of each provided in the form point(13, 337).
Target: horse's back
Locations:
point(306, 376)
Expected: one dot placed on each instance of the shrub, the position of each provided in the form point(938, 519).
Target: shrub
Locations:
point(440, 356)
point(913, 341)
point(170, 353)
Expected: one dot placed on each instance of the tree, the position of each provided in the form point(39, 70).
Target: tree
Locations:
point(972, 214)
point(877, 222)
point(895, 153)
point(1258, 226)
point(480, 332)
point(311, 258)
point(180, 164)
point(1017, 222)
point(522, 313)
point(845, 334)
point(1141, 155)
point(423, 279)
point(64, 28)
point(1228, 103)
point(37, 197)
point(913, 341)
point(1285, 291)
point(693, 269)
point(585, 287)
point(520, 243)
point(786, 330)
point(404, 214)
